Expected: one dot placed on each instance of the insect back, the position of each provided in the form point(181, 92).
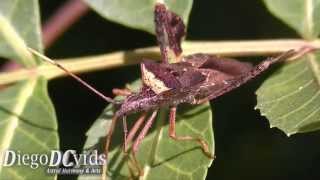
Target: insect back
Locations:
point(157, 150)
point(160, 88)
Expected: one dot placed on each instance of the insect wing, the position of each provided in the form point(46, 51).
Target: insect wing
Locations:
point(224, 65)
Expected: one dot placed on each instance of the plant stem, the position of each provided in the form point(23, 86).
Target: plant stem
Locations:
point(125, 58)
point(248, 48)
point(69, 13)
point(62, 20)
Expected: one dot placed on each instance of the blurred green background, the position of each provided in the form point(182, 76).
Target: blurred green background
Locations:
point(246, 148)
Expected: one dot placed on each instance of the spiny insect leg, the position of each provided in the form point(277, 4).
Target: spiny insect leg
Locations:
point(121, 92)
point(139, 139)
point(107, 145)
point(134, 130)
point(144, 131)
point(173, 135)
point(125, 130)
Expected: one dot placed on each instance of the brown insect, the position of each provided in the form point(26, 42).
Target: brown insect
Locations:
point(192, 79)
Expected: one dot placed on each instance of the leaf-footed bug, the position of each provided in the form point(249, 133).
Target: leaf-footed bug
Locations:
point(192, 79)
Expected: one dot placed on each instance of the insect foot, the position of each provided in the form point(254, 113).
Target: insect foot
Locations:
point(172, 134)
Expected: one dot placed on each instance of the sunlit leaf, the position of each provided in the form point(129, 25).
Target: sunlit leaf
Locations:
point(27, 118)
point(19, 27)
point(302, 15)
point(138, 14)
point(160, 156)
point(290, 98)
point(27, 125)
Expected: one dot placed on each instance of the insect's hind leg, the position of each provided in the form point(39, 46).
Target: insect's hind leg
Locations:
point(107, 145)
point(139, 139)
point(128, 138)
point(123, 92)
point(173, 135)
point(134, 130)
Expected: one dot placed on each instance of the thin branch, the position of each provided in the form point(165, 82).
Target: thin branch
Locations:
point(248, 48)
point(125, 58)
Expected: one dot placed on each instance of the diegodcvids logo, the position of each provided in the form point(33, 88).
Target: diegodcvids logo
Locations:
point(55, 158)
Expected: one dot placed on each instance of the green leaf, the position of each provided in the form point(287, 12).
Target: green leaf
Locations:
point(27, 118)
point(19, 27)
point(138, 14)
point(301, 15)
point(290, 98)
point(27, 125)
point(159, 155)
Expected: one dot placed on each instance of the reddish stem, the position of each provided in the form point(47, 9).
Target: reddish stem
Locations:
point(62, 19)
point(55, 26)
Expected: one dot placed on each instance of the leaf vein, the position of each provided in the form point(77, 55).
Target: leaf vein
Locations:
point(287, 80)
point(301, 106)
point(314, 68)
point(31, 137)
point(309, 17)
point(307, 117)
point(290, 94)
point(24, 95)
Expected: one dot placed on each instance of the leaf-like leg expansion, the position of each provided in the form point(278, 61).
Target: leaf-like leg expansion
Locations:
point(139, 139)
point(134, 130)
point(107, 145)
point(172, 134)
point(121, 92)
point(170, 31)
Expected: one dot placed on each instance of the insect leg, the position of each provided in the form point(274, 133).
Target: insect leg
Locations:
point(201, 101)
point(107, 145)
point(125, 130)
point(134, 130)
point(139, 139)
point(121, 92)
point(173, 135)
point(129, 138)
point(144, 131)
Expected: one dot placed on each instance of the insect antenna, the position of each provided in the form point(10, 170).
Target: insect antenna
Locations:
point(77, 78)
